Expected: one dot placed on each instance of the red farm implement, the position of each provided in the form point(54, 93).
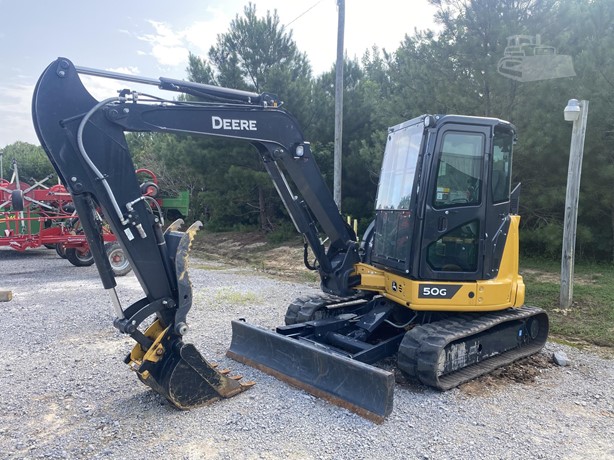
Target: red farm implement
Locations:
point(172, 206)
point(38, 215)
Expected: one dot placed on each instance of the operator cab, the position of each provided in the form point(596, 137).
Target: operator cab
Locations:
point(443, 204)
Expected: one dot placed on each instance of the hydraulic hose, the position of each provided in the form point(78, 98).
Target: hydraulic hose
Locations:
point(91, 164)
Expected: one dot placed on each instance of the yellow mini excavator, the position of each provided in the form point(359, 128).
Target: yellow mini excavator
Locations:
point(434, 280)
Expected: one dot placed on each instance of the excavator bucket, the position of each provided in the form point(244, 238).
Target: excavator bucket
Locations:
point(178, 371)
point(174, 369)
point(354, 385)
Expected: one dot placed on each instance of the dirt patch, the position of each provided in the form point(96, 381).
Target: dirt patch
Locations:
point(524, 371)
point(231, 245)
point(252, 249)
point(547, 277)
point(285, 260)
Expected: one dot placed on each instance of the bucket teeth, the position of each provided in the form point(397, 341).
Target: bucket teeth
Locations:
point(180, 373)
point(247, 384)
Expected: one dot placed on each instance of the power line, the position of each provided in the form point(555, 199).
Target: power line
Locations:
point(304, 12)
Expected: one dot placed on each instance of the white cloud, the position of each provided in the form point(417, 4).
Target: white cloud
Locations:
point(169, 56)
point(167, 45)
point(101, 88)
point(201, 36)
point(164, 36)
point(162, 47)
point(170, 47)
point(15, 110)
point(15, 114)
point(314, 30)
point(130, 70)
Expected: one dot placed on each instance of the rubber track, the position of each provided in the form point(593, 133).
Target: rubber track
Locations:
point(421, 347)
point(308, 308)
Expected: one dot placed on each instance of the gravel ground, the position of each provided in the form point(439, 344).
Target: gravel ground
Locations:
point(67, 394)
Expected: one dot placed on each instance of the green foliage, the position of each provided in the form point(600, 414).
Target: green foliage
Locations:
point(199, 70)
point(591, 317)
point(361, 124)
point(230, 188)
point(32, 162)
point(282, 234)
point(453, 70)
point(545, 240)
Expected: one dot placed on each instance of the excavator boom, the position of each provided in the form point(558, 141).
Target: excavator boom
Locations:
point(85, 141)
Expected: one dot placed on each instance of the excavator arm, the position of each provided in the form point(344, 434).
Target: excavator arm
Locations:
point(85, 141)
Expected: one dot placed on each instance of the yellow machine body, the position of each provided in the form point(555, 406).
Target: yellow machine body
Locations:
point(505, 291)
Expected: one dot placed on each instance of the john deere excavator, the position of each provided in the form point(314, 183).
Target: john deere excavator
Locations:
point(434, 280)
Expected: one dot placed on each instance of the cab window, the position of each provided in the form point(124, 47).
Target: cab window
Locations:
point(502, 166)
point(459, 171)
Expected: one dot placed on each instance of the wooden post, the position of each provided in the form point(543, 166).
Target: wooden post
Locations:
point(571, 205)
point(338, 106)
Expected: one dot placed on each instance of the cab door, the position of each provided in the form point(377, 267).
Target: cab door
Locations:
point(453, 225)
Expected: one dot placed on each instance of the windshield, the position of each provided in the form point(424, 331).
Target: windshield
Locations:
point(399, 167)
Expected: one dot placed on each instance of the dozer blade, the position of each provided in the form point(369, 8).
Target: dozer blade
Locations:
point(178, 371)
point(359, 387)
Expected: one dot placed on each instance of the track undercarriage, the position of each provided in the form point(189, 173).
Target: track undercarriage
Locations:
point(329, 345)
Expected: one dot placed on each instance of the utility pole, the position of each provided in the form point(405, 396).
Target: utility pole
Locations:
point(577, 112)
point(339, 105)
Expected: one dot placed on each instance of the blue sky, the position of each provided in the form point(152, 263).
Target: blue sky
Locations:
point(152, 38)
